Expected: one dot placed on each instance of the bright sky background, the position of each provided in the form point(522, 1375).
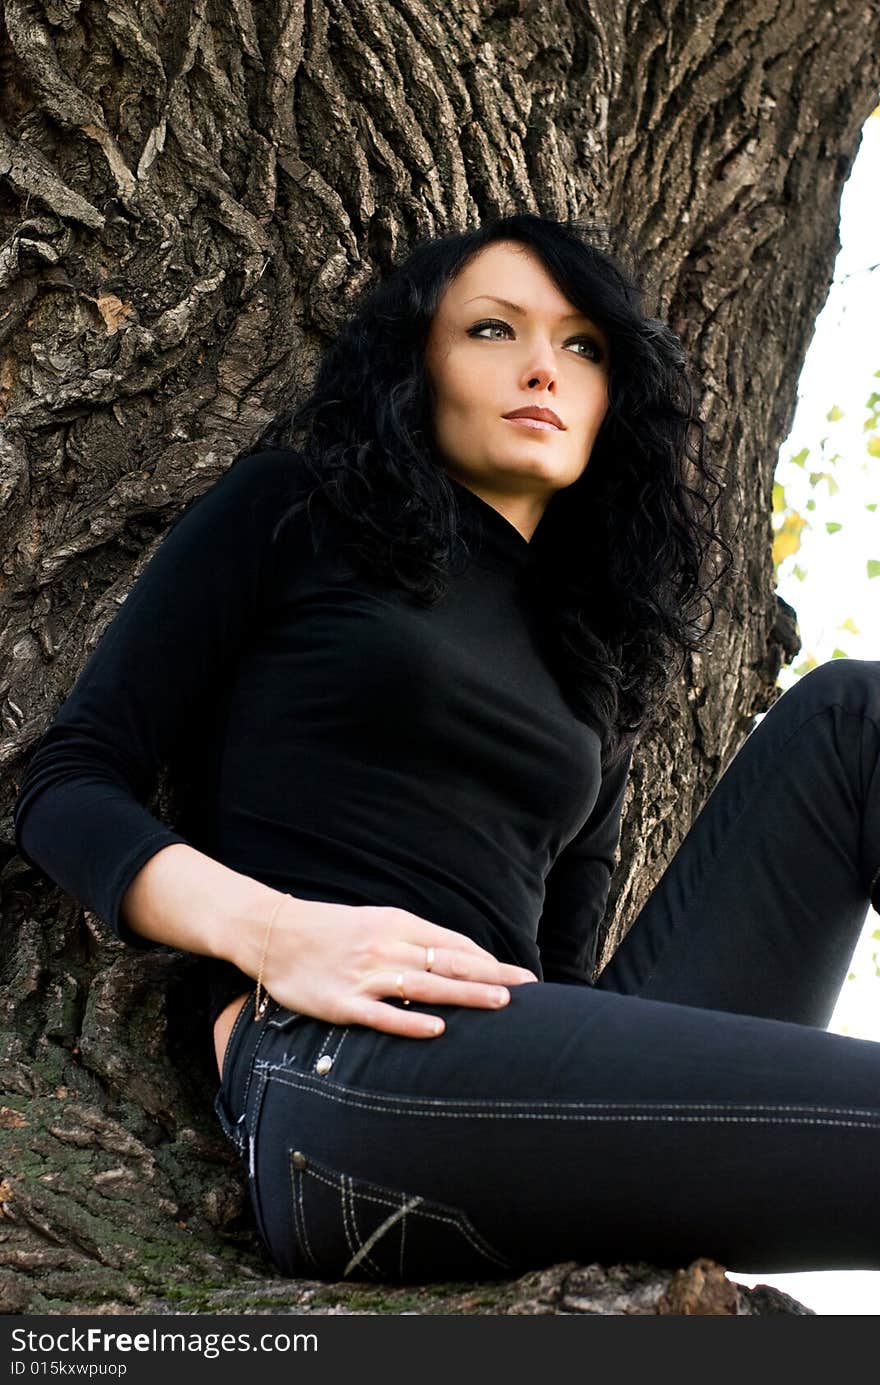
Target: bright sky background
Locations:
point(841, 371)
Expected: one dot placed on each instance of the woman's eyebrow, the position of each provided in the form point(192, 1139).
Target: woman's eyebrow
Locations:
point(514, 307)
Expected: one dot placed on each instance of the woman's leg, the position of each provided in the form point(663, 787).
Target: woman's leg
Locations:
point(594, 1124)
point(573, 1124)
point(762, 906)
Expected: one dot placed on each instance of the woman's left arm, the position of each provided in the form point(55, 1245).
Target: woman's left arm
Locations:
point(577, 886)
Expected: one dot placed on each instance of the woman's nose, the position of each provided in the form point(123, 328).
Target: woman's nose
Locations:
point(540, 369)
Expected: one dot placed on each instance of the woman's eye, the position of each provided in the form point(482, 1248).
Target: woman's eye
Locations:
point(488, 327)
point(593, 352)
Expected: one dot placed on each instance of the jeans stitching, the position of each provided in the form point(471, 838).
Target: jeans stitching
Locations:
point(407, 1204)
point(458, 1221)
point(326, 1043)
point(620, 1111)
point(349, 1221)
point(252, 1133)
point(255, 1066)
point(341, 1191)
point(355, 1239)
point(299, 1214)
point(236, 1133)
point(398, 1215)
point(231, 1129)
point(276, 1023)
point(390, 1099)
point(359, 1252)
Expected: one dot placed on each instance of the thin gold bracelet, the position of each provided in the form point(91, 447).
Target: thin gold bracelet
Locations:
point(260, 1005)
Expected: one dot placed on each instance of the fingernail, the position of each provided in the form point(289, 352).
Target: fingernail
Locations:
point(436, 1027)
point(500, 995)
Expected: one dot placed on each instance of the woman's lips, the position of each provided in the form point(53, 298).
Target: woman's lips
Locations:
point(534, 423)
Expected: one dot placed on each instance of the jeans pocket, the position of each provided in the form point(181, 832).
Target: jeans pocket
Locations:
point(348, 1228)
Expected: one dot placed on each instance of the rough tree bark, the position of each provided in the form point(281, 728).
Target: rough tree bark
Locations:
point(190, 195)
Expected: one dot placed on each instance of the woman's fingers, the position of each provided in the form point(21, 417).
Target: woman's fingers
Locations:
point(448, 938)
point(434, 989)
point(461, 955)
point(411, 1024)
point(472, 964)
point(427, 988)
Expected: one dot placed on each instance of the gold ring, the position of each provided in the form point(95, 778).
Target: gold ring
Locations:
point(429, 959)
point(400, 991)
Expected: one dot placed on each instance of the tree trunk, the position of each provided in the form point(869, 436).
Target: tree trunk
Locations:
point(188, 206)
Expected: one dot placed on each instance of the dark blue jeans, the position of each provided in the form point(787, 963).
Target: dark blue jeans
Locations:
point(688, 1104)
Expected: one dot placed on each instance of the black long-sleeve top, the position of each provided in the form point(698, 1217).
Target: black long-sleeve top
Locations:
point(344, 743)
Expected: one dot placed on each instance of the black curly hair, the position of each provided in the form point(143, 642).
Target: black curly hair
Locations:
point(625, 558)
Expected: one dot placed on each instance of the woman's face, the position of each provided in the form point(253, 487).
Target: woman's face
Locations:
point(486, 359)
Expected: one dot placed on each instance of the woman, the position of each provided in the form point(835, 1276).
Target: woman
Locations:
point(404, 663)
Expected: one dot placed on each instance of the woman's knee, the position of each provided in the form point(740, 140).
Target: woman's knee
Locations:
point(850, 683)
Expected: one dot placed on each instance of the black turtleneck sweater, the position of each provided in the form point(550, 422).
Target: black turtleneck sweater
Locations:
point(339, 742)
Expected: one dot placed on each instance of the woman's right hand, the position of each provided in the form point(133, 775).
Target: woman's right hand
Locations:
point(336, 961)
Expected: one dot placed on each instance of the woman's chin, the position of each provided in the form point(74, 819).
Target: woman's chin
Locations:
point(535, 468)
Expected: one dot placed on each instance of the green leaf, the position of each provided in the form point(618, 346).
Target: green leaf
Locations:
point(817, 476)
point(874, 446)
point(778, 498)
point(850, 625)
point(839, 654)
point(787, 539)
point(834, 413)
point(805, 665)
point(811, 504)
point(871, 507)
point(874, 567)
point(832, 528)
point(800, 457)
point(799, 572)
